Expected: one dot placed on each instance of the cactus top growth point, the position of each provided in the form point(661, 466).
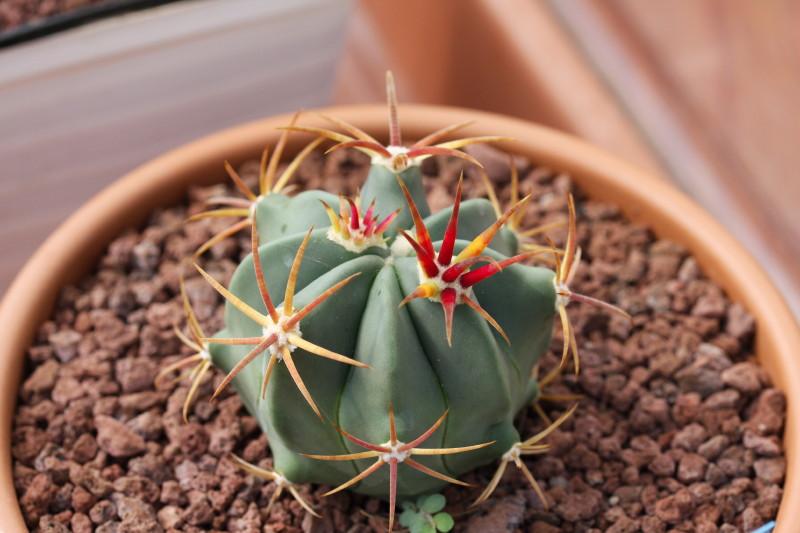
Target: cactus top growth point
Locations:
point(383, 334)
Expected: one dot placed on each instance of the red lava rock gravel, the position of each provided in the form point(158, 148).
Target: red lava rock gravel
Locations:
point(678, 430)
point(14, 13)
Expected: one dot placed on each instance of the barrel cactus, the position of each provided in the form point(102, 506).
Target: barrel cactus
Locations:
point(380, 347)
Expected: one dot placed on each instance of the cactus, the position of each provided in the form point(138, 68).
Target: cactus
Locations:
point(370, 354)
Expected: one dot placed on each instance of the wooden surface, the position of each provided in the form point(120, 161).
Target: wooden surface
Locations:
point(704, 92)
point(714, 86)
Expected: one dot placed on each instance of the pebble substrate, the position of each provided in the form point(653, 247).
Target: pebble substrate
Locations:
point(678, 428)
point(15, 13)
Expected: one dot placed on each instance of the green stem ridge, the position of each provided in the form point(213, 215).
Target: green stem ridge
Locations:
point(481, 379)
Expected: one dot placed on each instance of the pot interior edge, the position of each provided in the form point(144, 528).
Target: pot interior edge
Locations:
point(168, 189)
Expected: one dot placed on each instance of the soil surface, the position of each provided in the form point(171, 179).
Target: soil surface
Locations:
point(15, 13)
point(678, 428)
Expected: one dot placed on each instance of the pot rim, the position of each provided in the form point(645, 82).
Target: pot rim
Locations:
point(643, 197)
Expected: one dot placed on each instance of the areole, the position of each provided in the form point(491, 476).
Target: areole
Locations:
point(643, 197)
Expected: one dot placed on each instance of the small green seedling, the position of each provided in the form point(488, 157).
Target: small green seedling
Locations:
point(426, 515)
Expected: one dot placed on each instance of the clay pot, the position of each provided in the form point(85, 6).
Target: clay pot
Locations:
point(72, 250)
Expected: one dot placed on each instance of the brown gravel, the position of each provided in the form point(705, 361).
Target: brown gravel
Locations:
point(14, 13)
point(679, 429)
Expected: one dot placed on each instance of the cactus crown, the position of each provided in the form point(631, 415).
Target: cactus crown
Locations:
point(354, 368)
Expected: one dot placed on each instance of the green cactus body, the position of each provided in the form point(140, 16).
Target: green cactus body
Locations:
point(276, 215)
point(381, 186)
point(480, 380)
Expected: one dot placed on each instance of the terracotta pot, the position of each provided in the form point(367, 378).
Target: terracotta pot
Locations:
point(73, 249)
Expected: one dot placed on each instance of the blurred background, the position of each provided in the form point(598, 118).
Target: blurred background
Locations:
point(705, 93)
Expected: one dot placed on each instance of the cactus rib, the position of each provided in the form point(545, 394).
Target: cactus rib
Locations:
point(281, 333)
point(446, 279)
